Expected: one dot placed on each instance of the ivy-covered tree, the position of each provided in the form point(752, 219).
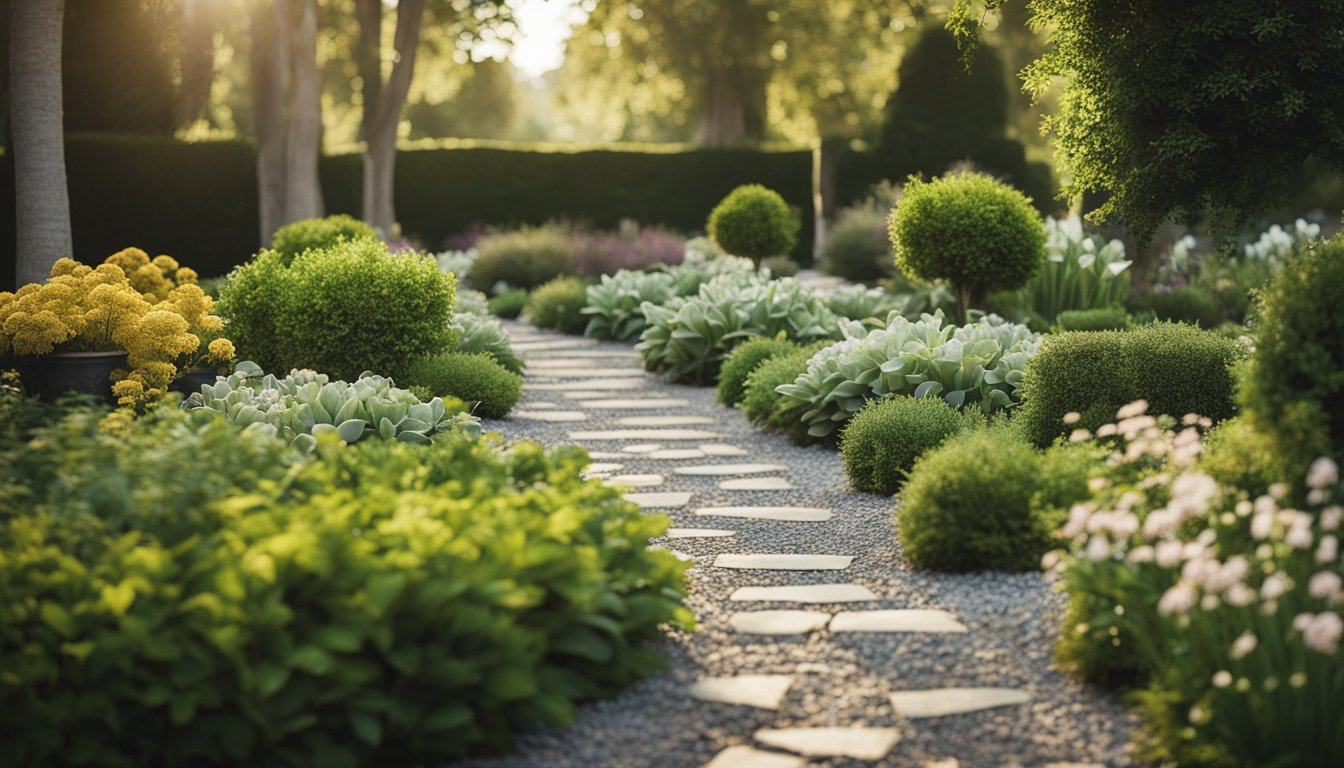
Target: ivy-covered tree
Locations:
point(1189, 107)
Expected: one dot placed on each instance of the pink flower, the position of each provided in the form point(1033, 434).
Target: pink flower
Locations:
point(1327, 550)
point(1098, 549)
point(1275, 585)
point(1331, 517)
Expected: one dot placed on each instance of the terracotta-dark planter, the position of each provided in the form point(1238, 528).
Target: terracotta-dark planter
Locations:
point(192, 381)
point(87, 373)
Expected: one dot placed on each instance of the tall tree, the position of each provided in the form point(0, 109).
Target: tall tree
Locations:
point(196, 59)
point(380, 136)
point(42, 201)
point(303, 187)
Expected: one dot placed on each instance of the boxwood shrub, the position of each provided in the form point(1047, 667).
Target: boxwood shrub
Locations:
point(522, 258)
point(310, 234)
point(1178, 369)
point(881, 443)
point(743, 360)
point(766, 408)
point(472, 378)
point(374, 604)
point(342, 310)
point(559, 305)
point(1100, 319)
point(508, 304)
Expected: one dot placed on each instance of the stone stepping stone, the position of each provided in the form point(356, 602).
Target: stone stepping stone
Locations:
point(633, 404)
point(937, 702)
point(778, 622)
point(718, 449)
point(659, 499)
point(785, 562)
point(762, 691)
point(897, 621)
point(699, 533)
point(585, 373)
point(601, 468)
point(533, 346)
point(855, 743)
point(675, 453)
point(606, 455)
point(784, 514)
point(641, 447)
point(584, 386)
point(585, 354)
point(640, 434)
point(542, 363)
point(551, 416)
point(664, 421)
point(807, 593)
point(757, 484)
point(634, 481)
point(541, 406)
point(584, 395)
point(742, 756)
point(730, 469)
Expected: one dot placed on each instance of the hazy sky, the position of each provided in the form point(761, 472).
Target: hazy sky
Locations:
point(543, 28)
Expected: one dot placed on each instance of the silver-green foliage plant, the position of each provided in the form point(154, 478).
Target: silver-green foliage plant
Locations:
point(614, 304)
point(857, 302)
point(305, 404)
point(483, 334)
point(976, 365)
point(698, 269)
point(1081, 271)
point(472, 302)
point(457, 262)
point(688, 338)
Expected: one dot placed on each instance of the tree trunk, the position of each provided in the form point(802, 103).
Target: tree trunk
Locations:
point(380, 136)
point(723, 112)
point(198, 62)
point(269, 70)
point(41, 200)
point(303, 188)
point(368, 56)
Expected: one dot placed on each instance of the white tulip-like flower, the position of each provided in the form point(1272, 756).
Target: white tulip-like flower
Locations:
point(1324, 473)
point(1327, 550)
point(1178, 600)
point(1324, 585)
point(1322, 632)
point(1243, 646)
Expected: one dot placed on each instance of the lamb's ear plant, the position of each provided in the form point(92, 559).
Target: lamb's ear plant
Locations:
point(613, 307)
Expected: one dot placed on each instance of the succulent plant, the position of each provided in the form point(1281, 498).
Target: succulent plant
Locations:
point(857, 302)
point(980, 364)
point(471, 302)
point(614, 304)
point(305, 404)
point(483, 333)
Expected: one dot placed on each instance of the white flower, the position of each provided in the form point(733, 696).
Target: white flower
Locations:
point(1079, 436)
point(1097, 484)
point(1275, 585)
point(1168, 553)
point(1178, 600)
point(1331, 517)
point(1140, 554)
point(1072, 417)
point(1278, 491)
point(1136, 408)
point(1324, 585)
point(1077, 522)
point(1098, 549)
point(1222, 678)
point(1317, 496)
point(1299, 537)
point(1243, 645)
point(1323, 473)
point(1322, 632)
point(1234, 571)
point(1049, 560)
point(1160, 522)
point(1261, 525)
point(1240, 595)
point(1327, 550)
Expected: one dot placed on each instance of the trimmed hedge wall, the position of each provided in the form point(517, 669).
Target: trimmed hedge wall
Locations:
point(856, 171)
point(198, 201)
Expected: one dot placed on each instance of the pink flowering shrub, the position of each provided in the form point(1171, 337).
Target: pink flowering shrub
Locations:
point(1225, 608)
point(634, 248)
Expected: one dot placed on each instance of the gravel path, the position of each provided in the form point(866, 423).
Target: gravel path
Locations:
point(837, 678)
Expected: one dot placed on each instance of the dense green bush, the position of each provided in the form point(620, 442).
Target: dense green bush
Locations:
point(342, 310)
point(362, 606)
point(1185, 304)
point(743, 360)
point(613, 305)
point(978, 365)
point(509, 304)
point(688, 339)
point(559, 304)
point(478, 334)
point(857, 245)
point(764, 407)
point(1238, 455)
point(970, 229)
point(1294, 387)
point(881, 443)
point(522, 258)
point(983, 501)
point(1101, 319)
point(1177, 369)
point(311, 234)
point(753, 222)
point(472, 378)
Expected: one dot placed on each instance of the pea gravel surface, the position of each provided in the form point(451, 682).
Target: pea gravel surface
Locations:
point(839, 679)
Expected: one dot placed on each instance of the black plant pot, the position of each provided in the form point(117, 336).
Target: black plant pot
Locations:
point(192, 381)
point(86, 373)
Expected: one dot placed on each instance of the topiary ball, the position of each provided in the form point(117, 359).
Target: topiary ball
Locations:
point(509, 304)
point(473, 378)
point(881, 442)
point(309, 234)
point(559, 305)
point(753, 222)
point(742, 361)
point(522, 258)
point(971, 229)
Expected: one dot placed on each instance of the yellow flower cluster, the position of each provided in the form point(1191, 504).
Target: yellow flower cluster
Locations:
point(86, 309)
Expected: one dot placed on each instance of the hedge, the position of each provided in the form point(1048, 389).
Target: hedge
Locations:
point(198, 200)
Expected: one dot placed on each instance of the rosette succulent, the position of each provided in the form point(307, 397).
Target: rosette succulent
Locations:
point(305, 404)
point(613, 306)
point(483, 334)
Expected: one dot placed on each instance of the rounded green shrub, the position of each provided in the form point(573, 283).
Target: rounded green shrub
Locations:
point(768, 409)
point(340, 310)
point(309, 234)
point(522, 258)
point(881, 443)
point(753, 222)
point(1238, 455)
point(857, 246)
point(742, 361)
point(509, 304)
point(981, 502)
point(1294, 387)
point(970, 229)
point(472, 378)
point(1100, 319)
point(780, 266)
point(1186, 304)
point(559, 305)
point(364, 605)
point(1178, 369)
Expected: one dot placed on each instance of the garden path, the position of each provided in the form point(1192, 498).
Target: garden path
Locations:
point(817, 645)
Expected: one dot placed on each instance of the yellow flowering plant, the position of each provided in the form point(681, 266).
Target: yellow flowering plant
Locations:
point(87, 309)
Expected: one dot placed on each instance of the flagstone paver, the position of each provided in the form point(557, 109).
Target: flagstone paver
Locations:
point(634, 481)
point(642, 448)
point(761, 691)
point(699, 533)
point(730, 469)
point(742, 756)
point(675, 454)
point(806, 593)
point(664, 421)
point(547, 415)
point(602, 467)
point(896, 621)
point(660, 499)
point(855, 743)
point(939, 702)
point(635, 404)
point(609, 372)
point(716, 449)
point(541, 364)
point(786, 514)
point(639, 434)
point(587, 385)
point(757, 484)
point(778, 622)
point(782, 562)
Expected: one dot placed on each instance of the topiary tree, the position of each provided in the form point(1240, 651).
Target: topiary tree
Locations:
point(753, 222)
point(970, 229)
